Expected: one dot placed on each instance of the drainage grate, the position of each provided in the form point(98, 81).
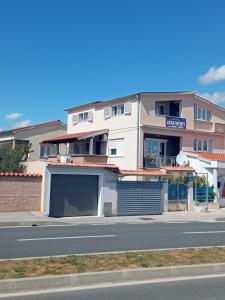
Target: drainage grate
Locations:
point(146, 219)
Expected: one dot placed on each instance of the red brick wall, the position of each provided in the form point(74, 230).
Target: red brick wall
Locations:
point(20, 193)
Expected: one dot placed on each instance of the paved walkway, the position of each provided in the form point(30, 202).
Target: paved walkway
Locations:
point(36, 218)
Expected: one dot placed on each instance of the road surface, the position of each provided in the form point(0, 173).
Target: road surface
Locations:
point(196, 289)
point(63, 240)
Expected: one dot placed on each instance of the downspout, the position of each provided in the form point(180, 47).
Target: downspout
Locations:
point(138, 97)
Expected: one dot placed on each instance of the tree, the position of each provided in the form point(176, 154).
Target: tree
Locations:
point(200, 181)
point(10, 159)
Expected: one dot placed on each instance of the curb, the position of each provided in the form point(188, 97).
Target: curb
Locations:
point(118, 276)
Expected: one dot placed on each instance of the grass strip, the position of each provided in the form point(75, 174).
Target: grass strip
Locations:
point(109, 262)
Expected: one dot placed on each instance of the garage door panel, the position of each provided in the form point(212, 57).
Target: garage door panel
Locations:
point(73, 195)
point(139, 197)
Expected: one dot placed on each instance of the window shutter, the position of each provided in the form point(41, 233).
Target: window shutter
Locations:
point(75, 119)
point(107, 112)
point(195, 112)
point(90, 116)
point(127, 108)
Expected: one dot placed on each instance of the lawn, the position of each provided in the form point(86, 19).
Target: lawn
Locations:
point(107, 262)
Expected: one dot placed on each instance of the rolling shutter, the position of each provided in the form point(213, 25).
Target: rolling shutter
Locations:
point(139, 197)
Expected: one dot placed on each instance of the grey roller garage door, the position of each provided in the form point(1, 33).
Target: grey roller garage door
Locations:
point(139, 197)
point(73, 195)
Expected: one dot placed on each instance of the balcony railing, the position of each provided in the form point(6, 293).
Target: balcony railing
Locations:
point(159, 161)
point(79, 159)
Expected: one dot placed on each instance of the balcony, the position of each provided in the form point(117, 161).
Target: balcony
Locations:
point(81, 148)
point(159, 161)
point(78, 159)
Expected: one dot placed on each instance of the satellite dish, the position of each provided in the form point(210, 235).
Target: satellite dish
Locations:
point(182, 159)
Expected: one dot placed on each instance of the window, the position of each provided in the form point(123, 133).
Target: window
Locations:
point(199, 143)
point(160, 109)
point(202, 145)
point(199, 115)
point(113, 151)
point(83, 117)
point(205, 145)
point(118, 110)
point(78, 148)
point(208, 116)
point(202, 114)
point(47, 150)
point(116, 147)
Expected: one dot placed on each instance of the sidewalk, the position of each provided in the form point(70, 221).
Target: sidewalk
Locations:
point(37, 219)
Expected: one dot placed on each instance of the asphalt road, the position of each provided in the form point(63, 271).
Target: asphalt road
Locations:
point(201, 289)
point(61, 240)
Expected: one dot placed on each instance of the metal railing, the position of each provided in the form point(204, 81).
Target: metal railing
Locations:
point(159, 161)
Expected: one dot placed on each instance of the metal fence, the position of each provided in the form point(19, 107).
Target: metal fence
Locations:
point(201, 195)
point(159, 161)
point(177, 192)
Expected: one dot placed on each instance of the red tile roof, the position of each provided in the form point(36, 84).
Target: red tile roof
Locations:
point(72, 136)
point(98, 166)
point(9, 174)
point(54, 122)
point(143, 172)
point(210, 156)
point(178, 168)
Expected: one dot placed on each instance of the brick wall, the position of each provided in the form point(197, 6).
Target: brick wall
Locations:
point(20, 193)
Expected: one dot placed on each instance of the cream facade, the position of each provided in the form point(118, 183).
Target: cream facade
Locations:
point(121, 127)
point(152, 125)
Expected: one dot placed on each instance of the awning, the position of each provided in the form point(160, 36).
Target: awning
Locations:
point(85, 165)
point(179, 168)
point(66, 138)
point(158, 173)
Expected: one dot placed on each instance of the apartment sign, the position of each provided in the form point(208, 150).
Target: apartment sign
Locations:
point(174, 122)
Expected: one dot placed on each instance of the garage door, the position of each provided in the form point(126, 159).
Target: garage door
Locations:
point(139, 197)
point(73, 195)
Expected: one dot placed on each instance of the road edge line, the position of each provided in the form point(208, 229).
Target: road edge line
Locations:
point(117, 276)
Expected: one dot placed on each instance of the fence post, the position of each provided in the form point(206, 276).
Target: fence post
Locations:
point(190, 192)
point(165, 194)
point(215, 178)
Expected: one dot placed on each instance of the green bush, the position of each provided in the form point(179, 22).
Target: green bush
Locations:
point(10, 159)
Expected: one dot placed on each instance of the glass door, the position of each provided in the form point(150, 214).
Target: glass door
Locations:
point(154, 147)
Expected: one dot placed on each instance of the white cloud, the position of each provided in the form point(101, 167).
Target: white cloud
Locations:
point(22, 123)
point(13, 116)
point(217, 97)
point(213, 75)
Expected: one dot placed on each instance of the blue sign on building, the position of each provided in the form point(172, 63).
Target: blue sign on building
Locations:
point(175, 122)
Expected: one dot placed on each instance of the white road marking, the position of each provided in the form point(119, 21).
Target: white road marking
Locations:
point(37, 226)
point(109, 285)
point(102, 224)
point(110, 252)
point(204, 232)
point(175, 222)
point(67, 237)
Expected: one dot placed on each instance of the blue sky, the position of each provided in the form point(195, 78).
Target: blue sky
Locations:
point(57, 54)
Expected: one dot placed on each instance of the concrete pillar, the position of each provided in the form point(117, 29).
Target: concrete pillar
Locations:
point(91, 146)
point(190, 192)
point(141, 149)
point(165, 194)
point(215, 177)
